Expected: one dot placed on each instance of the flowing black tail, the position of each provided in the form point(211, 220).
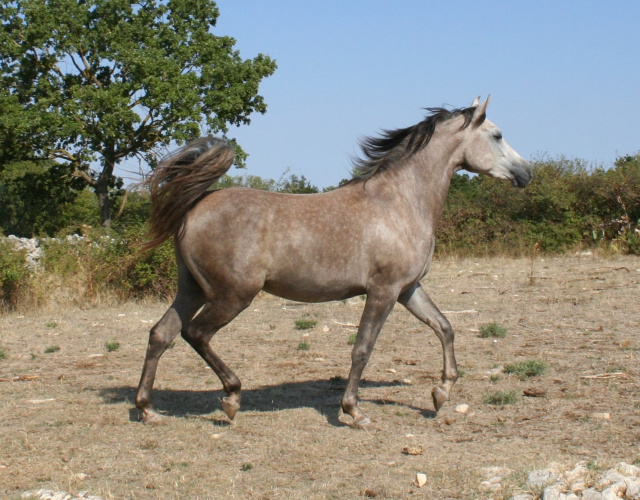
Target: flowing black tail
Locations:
point(179, 182)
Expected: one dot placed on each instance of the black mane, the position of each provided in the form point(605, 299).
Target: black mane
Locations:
point(381, 153)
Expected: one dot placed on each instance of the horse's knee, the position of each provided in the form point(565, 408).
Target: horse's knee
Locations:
point(360, 354)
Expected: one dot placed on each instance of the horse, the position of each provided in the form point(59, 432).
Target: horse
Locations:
point(372, 236)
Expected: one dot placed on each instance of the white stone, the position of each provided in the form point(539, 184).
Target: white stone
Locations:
point(464, 409)
point(578, 486)
point(58, 495)
point(551, 492)
point(591, 494)
point(628, 470)
point(612, 476)
point(578, 473)
point(541, 477)
point(614, 492)
point(568, 496)
point(421, 479)
point(633, 489)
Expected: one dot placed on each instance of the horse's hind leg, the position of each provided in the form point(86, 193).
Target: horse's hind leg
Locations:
point(162, 334)
point(198, 334)
point(420, 305)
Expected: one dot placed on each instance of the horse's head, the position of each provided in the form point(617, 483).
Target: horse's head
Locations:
point(486, 152)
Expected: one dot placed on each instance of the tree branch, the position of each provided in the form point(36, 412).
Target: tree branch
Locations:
point(77, 172)
point(87, 73)
point(85, 176)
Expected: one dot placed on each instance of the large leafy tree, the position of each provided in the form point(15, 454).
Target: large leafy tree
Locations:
point(89, 83)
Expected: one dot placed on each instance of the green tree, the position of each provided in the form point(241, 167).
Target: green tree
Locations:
point(90, 83)
point(298, 185)
point(38, 199)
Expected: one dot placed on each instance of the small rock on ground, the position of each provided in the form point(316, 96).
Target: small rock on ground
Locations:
point(57, 495)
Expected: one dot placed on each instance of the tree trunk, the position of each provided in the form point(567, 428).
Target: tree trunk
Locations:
point(102, 186)
point(102, 191)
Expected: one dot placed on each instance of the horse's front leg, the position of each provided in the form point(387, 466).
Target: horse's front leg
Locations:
point(376, 310)
point(420, 305)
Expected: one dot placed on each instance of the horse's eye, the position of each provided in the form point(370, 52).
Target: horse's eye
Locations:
point(497, 136)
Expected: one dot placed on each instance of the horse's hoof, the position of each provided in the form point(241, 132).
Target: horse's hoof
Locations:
point(230, 406)
point(151, 417)
point(363, 422)
point(439, 397)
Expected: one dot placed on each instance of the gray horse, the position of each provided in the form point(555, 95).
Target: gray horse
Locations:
point(373, 235)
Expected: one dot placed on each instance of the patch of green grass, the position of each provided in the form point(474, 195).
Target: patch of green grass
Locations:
point(52, 348)
point(493, 330)
point(501, 398)
point(592, 465)
point(494, 378)
point(51, 324)
point(3, 353)
point(616, 369)
point(305, 324)
point(304, 346)
point(247, 466)
point(526, 369)
point(352, 339)
point(112, 346)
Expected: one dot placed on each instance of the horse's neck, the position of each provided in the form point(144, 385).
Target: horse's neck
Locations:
point(422, 181)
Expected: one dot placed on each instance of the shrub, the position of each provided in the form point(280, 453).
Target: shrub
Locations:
point(304, 346)
point(3, 353)
point(14, 275)
point(110, 262)
point(112, 346)
point(52, 349)
point(305, 324)
point(493, 330)
point(526, 369)
point(501, 398)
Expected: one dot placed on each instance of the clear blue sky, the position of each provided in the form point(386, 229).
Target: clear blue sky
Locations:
point(564, 76)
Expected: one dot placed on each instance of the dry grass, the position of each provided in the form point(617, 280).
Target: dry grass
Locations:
point(68, 422)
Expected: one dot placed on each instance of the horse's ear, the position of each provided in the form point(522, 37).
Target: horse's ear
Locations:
point(475, 102)
point(480, 114)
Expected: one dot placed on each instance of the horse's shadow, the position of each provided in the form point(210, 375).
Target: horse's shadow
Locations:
point(321, 395)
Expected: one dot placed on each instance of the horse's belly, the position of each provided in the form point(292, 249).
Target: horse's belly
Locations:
point(309, 287)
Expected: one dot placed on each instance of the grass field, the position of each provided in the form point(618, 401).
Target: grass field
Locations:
point(67, 419)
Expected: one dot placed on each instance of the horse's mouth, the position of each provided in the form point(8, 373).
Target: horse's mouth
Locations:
point(521, 176)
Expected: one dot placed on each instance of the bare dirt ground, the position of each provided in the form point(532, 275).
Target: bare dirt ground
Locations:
point(67, 419)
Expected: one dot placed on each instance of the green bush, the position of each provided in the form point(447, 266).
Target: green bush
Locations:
point(305, 324)
point(112, 346)
point(111, 262)
point(14, 275)
point(501, 398)
point(493, 330)
point(568, 204)
point(526, 369)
